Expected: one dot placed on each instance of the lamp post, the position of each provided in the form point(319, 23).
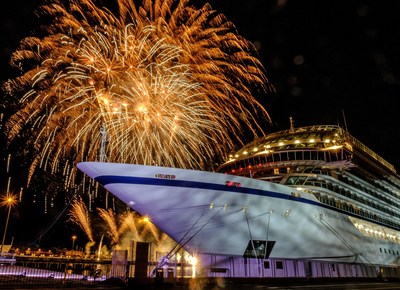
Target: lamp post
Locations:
point(8, 200)
point(73, 241)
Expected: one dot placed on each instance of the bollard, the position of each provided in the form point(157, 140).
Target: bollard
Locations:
point(159, 276)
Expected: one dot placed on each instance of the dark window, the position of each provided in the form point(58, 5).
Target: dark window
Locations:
point(314, 155)
point(279, 264)
point(266, 264)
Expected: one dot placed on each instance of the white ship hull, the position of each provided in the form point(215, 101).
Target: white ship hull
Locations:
point(213, 213)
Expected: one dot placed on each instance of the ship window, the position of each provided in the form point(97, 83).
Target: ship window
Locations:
point(334, 157)
point(380, 250)
point(279, 264)
point(266, 264)
point(291, 180)
point(314, 155)
point(308, 169)
point(276, 170)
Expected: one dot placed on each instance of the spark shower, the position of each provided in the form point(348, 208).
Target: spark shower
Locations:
point(161, 83)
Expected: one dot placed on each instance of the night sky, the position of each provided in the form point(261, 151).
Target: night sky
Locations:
point(330, 61)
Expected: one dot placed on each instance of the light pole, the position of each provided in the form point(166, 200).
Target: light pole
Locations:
point(73, 241)
point(8, 200)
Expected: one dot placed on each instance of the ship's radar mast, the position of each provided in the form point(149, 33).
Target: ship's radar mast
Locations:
point(291, 125)
point(103, 132)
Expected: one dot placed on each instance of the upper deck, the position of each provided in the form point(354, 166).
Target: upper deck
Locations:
point(311, 145)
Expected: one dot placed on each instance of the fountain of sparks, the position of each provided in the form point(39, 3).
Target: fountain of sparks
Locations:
point(80, 216)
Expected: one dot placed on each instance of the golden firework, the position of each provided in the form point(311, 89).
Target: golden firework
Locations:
point(163, 83)
point(108, 217)
point(80, 216)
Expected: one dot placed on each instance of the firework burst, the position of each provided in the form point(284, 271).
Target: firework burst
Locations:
point(169, 84)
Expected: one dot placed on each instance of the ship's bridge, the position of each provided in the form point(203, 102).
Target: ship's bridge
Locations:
point(301, 149)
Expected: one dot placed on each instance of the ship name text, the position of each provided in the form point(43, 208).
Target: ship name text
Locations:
point(165, 176)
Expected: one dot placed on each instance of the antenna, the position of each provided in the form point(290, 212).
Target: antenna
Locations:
point(103, 132)
point(291, 130)
point(344, 120)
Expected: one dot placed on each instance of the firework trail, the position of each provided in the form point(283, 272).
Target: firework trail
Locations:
point(109, 218)
point(170, 84)
point(128, 224)
point(150, 230)
point(141, 227)
point(80, 216)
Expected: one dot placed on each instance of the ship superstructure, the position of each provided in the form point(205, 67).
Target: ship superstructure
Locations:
point(337, 168)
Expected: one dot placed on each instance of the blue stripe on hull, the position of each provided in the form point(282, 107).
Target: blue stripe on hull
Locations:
point(109, 179)
point(112, 179)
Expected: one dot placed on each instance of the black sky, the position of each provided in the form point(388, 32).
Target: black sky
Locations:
point(328, 59)
point(324, 58)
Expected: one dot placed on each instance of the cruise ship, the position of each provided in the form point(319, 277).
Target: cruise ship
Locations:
point(304, 202)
